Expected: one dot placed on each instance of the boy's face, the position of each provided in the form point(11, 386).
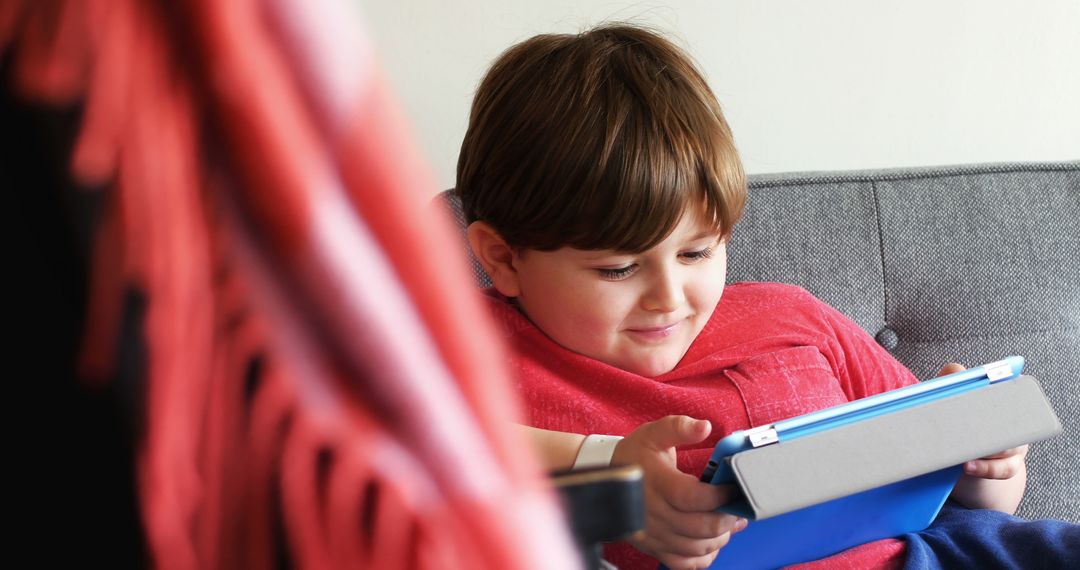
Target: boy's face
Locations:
point(637, 312)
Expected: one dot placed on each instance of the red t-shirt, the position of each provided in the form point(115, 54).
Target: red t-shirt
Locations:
point(769, 352)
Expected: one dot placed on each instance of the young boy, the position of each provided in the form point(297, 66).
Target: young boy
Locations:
point(601, 183)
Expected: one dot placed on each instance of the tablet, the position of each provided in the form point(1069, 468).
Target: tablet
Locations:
point(718, 469)
point(883, 466)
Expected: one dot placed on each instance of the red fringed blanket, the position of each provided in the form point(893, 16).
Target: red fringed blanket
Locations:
point(321, 379)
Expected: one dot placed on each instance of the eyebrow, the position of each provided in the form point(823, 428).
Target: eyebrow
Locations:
point(703, 235)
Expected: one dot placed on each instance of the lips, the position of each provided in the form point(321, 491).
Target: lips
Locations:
point(654, 329)
point(654, 334)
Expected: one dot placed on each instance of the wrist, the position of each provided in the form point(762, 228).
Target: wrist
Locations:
point(596, 451)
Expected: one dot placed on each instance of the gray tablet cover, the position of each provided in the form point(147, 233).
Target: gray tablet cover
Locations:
point(813, 469)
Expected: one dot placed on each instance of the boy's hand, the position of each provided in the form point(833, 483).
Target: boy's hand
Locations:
point(681, 528)
point(995, 481)
point(1004, 465)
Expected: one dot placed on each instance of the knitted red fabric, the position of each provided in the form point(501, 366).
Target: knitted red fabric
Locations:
point(321, 378)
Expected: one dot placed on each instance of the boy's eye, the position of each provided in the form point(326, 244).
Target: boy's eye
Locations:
point(617, 273)
point(699, 254)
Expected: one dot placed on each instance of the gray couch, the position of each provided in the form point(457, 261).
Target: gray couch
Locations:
point(961, 263)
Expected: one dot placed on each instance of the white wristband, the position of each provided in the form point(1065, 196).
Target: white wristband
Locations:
point(596, 451)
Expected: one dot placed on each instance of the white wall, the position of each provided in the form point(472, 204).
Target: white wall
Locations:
point(805, 84)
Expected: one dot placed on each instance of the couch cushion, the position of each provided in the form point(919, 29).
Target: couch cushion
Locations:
point(821, 235)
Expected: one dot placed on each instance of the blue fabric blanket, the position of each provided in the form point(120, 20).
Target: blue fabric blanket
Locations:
point(966, 538)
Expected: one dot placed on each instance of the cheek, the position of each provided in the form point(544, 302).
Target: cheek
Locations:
point(710, 288)
point(720, 278)
point(591, 317)
point(596, 313)
point(571, 312)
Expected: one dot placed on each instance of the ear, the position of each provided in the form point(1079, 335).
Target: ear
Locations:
point(495, 256)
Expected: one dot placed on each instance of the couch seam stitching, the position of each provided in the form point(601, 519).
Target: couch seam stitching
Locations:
point(881, 251)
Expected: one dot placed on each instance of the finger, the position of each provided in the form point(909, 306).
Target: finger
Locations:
point(950, 368)
point(700, 525)
point(663, 542)
point(1015, 451)
point(993, 468)
point(673, 431)
point(687, 494)
point(675, 562)
point(679, 552)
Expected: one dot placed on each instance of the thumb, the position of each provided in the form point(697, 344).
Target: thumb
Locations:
point(950, 368)
point(673, 431)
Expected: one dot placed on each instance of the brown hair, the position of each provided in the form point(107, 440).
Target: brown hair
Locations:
point(600, 140)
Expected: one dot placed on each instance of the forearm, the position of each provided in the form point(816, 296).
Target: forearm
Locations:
point(556, 450)
point(996, 494)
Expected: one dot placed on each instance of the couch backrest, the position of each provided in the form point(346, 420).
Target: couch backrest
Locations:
point(962, 263)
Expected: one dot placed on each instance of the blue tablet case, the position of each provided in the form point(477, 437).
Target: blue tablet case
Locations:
point(820, 483)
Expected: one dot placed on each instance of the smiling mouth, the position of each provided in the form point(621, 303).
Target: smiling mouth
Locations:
point(655, 329)
point(654, 333)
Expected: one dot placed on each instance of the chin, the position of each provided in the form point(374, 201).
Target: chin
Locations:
point(653, 368)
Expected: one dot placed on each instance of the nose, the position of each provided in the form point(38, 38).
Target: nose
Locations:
point(665, 293)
